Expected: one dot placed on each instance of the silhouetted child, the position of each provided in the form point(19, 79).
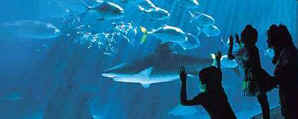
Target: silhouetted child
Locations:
point(286, 68)
point(257, 81)
point(212, 96)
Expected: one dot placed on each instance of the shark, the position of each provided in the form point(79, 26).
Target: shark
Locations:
point(159, 67)
point(32, 29)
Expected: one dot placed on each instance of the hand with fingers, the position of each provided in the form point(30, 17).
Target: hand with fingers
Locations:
point(238, 40)
point(218, 56)
point(231, 41)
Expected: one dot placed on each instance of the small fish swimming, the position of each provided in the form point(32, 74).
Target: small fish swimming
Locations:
point(193, 2)
point(131, 1)
point(154, 12)
point(147, 4)
point(211, 30)
point(107, 10)
point(201, 19)
point(188, 4)
point(193, 42)
point(30, 29)
point(173, 34)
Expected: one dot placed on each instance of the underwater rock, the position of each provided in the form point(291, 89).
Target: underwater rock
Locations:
point(30, 29)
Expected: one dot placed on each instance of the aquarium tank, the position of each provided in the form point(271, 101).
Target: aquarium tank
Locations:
point(120, 59)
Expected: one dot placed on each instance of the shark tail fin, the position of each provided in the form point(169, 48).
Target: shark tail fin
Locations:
point(145, 34)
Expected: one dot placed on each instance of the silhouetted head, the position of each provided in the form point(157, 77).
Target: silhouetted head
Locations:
point(249, 36)
point(272, 35)
point(210, 77)
point(279, 37)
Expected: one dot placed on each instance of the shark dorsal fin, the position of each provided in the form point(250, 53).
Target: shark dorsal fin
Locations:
point(146, 85)
point(146, 73)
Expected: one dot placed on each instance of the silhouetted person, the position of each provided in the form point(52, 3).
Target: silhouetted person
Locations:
point(286, 69)
point(256, 79)
point(212, 96)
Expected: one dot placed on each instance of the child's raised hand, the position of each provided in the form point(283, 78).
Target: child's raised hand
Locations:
point(182, 73)
point(218, 55)
point(231, 41)
point(237, 38)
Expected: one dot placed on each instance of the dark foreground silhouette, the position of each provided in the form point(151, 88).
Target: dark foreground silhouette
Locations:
point(286, 69)
point(257, 82)
point(212, 97)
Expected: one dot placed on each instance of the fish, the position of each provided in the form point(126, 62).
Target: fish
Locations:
point(32, 29)
point(107, 10)
point(201, 19)
point(193, 2)
point(152, 69)
point(188, 4)
point(168, 33)
point(147, 4)
point(193, 42)
point(154, 12)
point(211, 31)
point(126, 1)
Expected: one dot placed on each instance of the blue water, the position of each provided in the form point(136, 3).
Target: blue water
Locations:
point(47, 74)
